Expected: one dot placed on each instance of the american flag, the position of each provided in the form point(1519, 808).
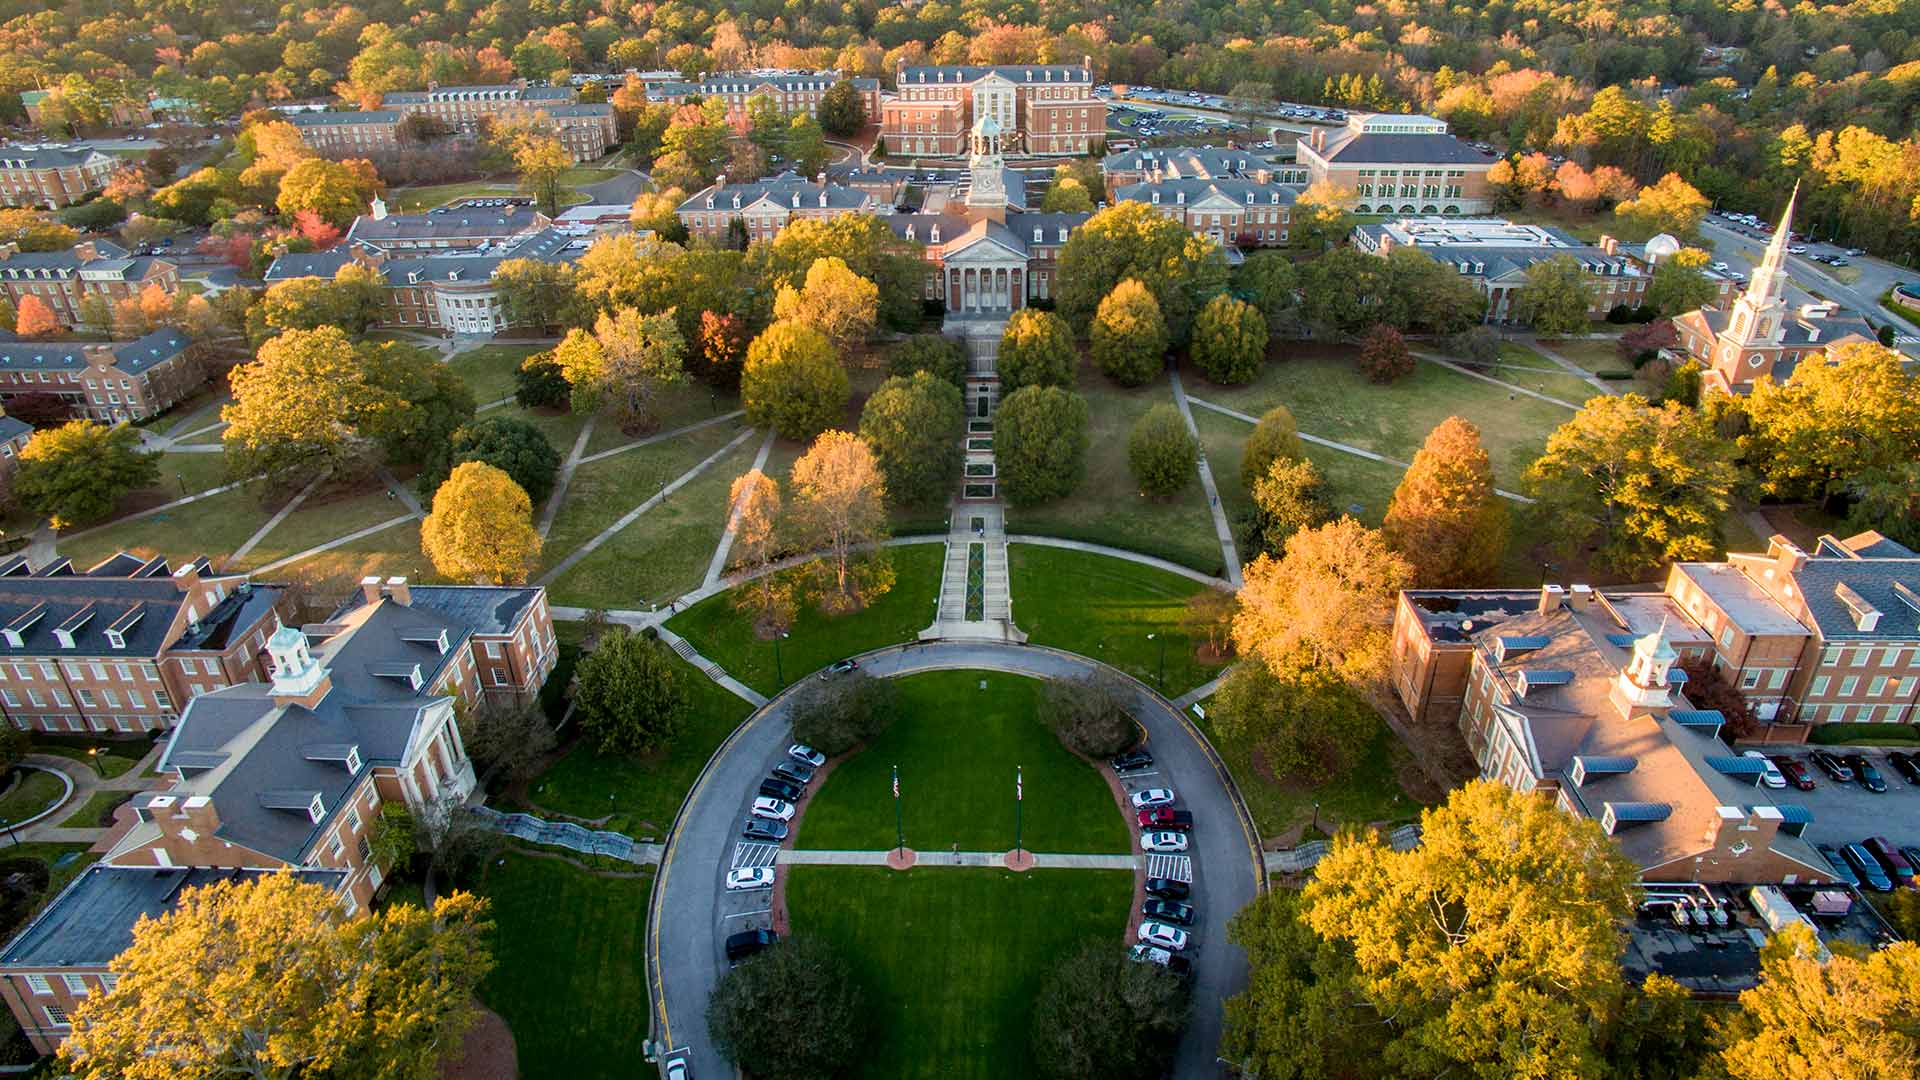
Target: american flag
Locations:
point(1018, 786)
point(896, 781)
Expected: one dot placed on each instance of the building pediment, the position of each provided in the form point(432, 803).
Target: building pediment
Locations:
point(983, 250)
point(1213, 201)
point(994, 80)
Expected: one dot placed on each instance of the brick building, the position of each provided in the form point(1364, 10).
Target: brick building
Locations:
point(52, 177)
point(765, 207)
point(348, 134)
point(1152, 164)
point(121, 113)
point(1495, 255)
point(1385, 163)
point(1042, 109)
point(1248, 210)
point(105, 381)
point(292, 774)
point(586, 129)
point(791, 91)
point(63, 279)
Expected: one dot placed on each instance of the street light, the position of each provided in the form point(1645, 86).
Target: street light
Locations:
point(779, 672)
point(93, 757)
point(1163, 660)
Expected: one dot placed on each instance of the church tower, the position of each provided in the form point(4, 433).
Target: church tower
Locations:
point(987, 197)
point(1760, 314)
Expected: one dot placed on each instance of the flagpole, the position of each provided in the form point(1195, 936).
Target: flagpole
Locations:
point(1019, 798)
point(899, 825)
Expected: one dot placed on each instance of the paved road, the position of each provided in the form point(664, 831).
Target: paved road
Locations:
point(619, 189)
point(1742, 251)
point(691, 908)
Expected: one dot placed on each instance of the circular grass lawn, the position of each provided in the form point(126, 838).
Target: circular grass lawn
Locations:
point(958, 739)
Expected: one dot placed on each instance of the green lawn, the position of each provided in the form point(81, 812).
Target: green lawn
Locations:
point(413, 200)
point(1522, 366)
point(665, 552)
point(726, 636)
point(569, 967)
point(324, 516)
point(116, 756)
point(489, 369)
point(35, 792)
point(387, 553)
point(601, 492)
point(1108, 507)
point(687, 402)
point(1104, 608)
point(951, 959)
point(957, 744)
point(639, 796)
point(1354, 485)
point(214, 526)
point(581, 175)
point(92, 814)
point(560, 428)
point(1594, 356)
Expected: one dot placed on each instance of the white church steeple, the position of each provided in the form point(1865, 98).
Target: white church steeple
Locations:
point(1759, 315)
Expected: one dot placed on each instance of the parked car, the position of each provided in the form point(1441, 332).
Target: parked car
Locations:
point(1907, 765)
point(679, 1068)
point(794, 772)
point(775, 788)
point(1870, 777)
point(1148, 954)
point(1912, 855)
point(1163, 841)
point(1868, 867)
point(1168, 888)
point(806, 755)
point(1133, 760)
point(1166, 817)
point(761, 829)
point(1772, 777)
point(1171, 938)
point(1172, 911)
point(747, 942)
point(772, 809)
point(1795, 771)
point(1856, 252)
point(750, 877)
point(1153, 796)
point(1892, 861)
point(1835, 769)
point(840, 667)
point(1841, 871)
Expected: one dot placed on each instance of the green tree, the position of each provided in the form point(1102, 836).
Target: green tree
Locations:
point(540, 295)
point(792, 1011)
point(1270, 282)
point(1445, 517)
point(1040, 444)
point(434, 400)
point(1229, 340)
point(629, 695)
point(1290, 497)
point(1129, 338)
point(513, 446)
point(1650, 484)
point(1275, 436)
point(1101, 1014)
point(1036, 349)
point(942, 356)
point(541, 382)
point(75, 473)
point(806, 145)
point(1557, 296)
point(540, 158)
point(1849, 1017)
point(1308, 726)
point(351, 300)
point(842, 112)
point(1067, 195)
point(839, 714)
point(792, 381)
point(1134, 240)
point(1089, 715)
point(915, 426)
point(1831, 425)
point(868, 247)
point(1680, 284)
point(1161, 454)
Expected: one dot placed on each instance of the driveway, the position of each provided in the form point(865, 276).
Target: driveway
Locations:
point(619, 189)
point(1849, 813)
point(692, 913)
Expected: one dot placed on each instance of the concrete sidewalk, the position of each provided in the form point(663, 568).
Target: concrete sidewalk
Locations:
point(1041, 861)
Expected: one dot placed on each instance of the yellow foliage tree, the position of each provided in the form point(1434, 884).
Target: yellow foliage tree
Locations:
point(834, 300)
point(481, 528)
point(1331, 593)
point(840, 504)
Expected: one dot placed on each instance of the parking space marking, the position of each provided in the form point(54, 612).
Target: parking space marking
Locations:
point(751, 854)
point(1177, 867)
point(747, 914)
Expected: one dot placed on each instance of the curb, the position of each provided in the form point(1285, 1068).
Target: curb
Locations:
point(65, 796)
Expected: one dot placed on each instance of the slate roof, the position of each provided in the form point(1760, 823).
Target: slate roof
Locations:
point(780, 189)
point(12, 428)
point(1188, 161)
point(59, 594)
point(92, 919)
point(747, 83)
point(485, 610)
point(323, 264)
point(338, 119)
point(452, 223)
point(1233, 189)
point(933, 74)
point(67, 258)
point(1873, 580)
point(60, 157)
point(132, 357)
point(590, 108)
point(1349, 147)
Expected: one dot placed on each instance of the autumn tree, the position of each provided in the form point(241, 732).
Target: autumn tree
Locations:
point(541, 159)
point(1848, 1016)
point(36, 320)
point(1445, 518)
point(834, 300)
point(1270, 283)
point(793, 382)
point(351, 300)
point(1161, 453)
point(1832, 424)
point(1129, 338)
point(264, 976)
point(1040, 444)
point(914, 426)
point(539, 295)
point(1036, 349)
point(1384, 357)
point(1132, 240)
point(1320, 217)
point(839, 506)
point(630, 695)
point(1649, 483)
point(335, 191)
point(75, 473)
point(641, 356)
point(31, 230)
point(1066, 195)
point(1229, 340)
point(510, 743)
point(757, 542)
point(1331, 593)
point(1291, 497)
point(481, 528)
point(306, 404)
point(1100, 1014)
point(1307, 725)
point(1274, 436)
point(1671, 206)
point(793, 1011)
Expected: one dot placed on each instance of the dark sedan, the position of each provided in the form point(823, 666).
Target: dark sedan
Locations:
point(1795, 771)
point(761, 829)
point(1168, 888)
point(1132, 761)
point(1907, 765)
point(1870, 777)
point(1171, 911)
point(1841, 871)
point(1833, 767)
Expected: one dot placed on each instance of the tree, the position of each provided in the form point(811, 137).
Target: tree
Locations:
point(351, 300)
point(1134, 240)
point(1066, 195)
point(264, 977)
point(793, 382)
point(1101, 1014)
point(755, 498)
point(540, 295)
point(1384, 357)
point(868, 247)
point(1477, 347)
point(541, 159)
point(510, 743)
point(540, 381)
point(393, 839)
point(1643, 342)
point(1670, 206)
point(939, 355)
point(722, 342)
point(806, 145)
point(1269, 281)
point(1709, 688)
point(841, 713)
point(481, 527)
point(1680, 284)
point(1319, 217)
point(1331, 593)
point(75, 473)
point(839, 505)
point(36, 320)
point(1291, 497)
point(513, 446)
point(433, 400)
point(914, 426)
point(31, 230)
point(1229, 340)
point(335, 191)
point(792, 1011)
point(641, 354)
point(1557, 296)
point(1653, 483)
point(1445, 518)
point(841, 111)
point(1831, 424)
point(1161, 453)
point(629, 694)
point(835, 301)
point(1129, 338)
point(1275, 436)
point(1036, 349)
point(1857, 1017)
point(1089, 715)
point(1040, 444)
point(1308, 726)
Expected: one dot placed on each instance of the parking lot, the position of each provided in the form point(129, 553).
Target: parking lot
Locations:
point(1849, 813)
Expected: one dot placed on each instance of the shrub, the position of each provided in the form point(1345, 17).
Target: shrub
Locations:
point(844, 711)
point(793, 1011)
point(1161, 453)
point(942, 356)
point(1384, 357)
point(1100, 1014)
point(1089, 715)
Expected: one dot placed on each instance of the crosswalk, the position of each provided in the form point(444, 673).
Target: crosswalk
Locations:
point(749, 854)
point(1177, 867)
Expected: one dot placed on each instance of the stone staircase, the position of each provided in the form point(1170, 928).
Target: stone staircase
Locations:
point(976, 599)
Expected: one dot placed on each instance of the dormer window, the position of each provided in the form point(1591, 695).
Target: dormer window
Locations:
point(1180, 197)
point(1156, 198)
point(317, 809)
point(709, 202)
point(736, 200)
point(353, 759)
point(1038, 233)
point(933, 234)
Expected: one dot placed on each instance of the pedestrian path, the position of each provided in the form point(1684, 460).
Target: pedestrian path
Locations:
point(718, 565)
point(1501, 383)
point(560, 481)
point(663, 436)
point(976, 599)
point(338, 541)
point(273, 522)
point(1571, 368)
point(1198, 693)
point(685, 650)
point(958, 858)
point(1229, 553)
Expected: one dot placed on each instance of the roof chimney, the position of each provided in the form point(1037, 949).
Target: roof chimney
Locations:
point(1550, 596)
point(1786, 554)
point(401, 593)
point(1581, 597)
point(370, 589)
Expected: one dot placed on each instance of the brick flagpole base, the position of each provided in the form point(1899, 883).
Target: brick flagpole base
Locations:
point(1019, 859)
point(901, 858)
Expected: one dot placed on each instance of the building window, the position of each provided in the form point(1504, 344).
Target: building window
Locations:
point(1848, 685)
point(76, 985)
point(56, 1015)
point(38, 984)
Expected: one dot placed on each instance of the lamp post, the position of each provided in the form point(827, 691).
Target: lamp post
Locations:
point(93, 758)
point(779, 672)
point(1163, 659)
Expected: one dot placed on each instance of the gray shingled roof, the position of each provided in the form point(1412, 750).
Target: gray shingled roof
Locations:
point(781, 189)
point(133, 357)
point(1234, 189)
point(63, 261)
point(12, 428)
point(464, 223)
point(485, 609)
point(324, 264)
point(336, 119)
point(1351, 148)
point(1872, 580)
point(109, 600)
point(47, 157)
point(966, 73)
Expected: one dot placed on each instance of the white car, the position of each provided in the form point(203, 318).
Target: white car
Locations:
point(1154, 796)
point(772, 809)
point(1772, 777)
point(803, 753)
point(1147, 954)
point(1163, 841)
point(1722, 267)
point(1163, 936)
point(679, 1068)
point(750, 877)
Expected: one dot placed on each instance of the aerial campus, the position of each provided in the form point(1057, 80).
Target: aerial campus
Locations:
point(1278, 540)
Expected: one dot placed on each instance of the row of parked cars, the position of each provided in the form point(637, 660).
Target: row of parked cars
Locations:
point(1875, 863)
point(1785, 769)
point(1168, 914)
point(770, 819)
